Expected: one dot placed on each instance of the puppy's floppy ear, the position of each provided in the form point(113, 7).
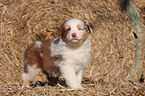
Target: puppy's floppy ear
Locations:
point(89, 26)
point(60, 30)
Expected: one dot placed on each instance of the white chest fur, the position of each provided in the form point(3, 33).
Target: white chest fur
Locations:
point(73, 56)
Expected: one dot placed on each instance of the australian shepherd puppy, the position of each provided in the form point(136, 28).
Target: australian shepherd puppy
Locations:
point(67, 56)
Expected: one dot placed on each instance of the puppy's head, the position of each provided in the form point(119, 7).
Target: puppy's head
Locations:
point(74, 32)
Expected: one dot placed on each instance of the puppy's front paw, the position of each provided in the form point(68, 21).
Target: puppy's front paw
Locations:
point(25, 84)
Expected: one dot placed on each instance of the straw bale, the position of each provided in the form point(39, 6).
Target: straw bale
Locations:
point(113, 48)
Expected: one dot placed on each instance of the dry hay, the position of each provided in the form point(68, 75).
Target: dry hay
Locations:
point(113, 48)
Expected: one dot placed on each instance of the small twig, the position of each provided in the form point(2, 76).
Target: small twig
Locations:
point(88, 84)
point(61, 86)
point(71, 89)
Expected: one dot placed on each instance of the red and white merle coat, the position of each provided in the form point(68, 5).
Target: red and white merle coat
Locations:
point(67, 56)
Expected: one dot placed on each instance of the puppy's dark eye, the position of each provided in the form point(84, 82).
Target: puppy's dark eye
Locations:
point(79, 28)
point(68, 29)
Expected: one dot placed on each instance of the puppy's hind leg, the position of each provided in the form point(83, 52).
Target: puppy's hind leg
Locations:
point(51, 79)
point(29, 74)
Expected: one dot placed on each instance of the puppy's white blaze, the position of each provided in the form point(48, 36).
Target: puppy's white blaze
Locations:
point(38, 44)
point(79, 34)
point(32, 72)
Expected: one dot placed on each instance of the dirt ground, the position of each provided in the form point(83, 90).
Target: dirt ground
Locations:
point(113, 45)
